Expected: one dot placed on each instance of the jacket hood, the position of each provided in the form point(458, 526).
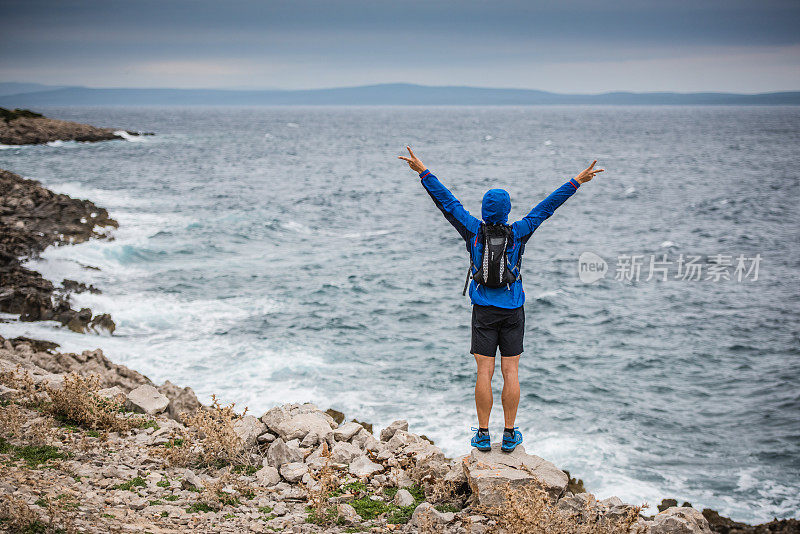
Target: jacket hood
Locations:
point(496, 206)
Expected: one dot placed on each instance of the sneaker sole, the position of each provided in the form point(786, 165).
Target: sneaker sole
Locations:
point(483, 449)
point(505, 449)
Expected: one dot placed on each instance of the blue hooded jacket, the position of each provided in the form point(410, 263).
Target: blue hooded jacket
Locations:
point(495, 209)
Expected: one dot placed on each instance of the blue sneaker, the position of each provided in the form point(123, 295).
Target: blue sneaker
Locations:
point(481, 440)
point(510, 442)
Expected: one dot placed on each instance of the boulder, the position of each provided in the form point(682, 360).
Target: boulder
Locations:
point(403, 498)
point(310, 440)
point(389, 431)
point(348, 514)
point(293, 471)
point(113, 393)
point(279, 453)
point(344, 453)
point(425, 513)
point(248, 428)
point(300, 425)
point(363, 467)
point(365, 440)
point(191, 478)
point(488, 472)
point(146, 399)
point(336, 415)
point(266, 437)
point(346, 431)
point(681, 520)
point(180, 400)
point(267, 476)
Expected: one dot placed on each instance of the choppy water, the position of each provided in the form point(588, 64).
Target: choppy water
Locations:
point(284, 254)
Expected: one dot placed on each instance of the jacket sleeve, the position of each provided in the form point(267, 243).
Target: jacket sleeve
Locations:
point(543, 210)
point(451, 208)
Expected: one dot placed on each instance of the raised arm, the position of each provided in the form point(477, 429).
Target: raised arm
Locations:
point(451, 208)
point(544, 209)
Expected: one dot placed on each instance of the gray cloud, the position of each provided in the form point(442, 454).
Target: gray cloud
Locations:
point(578, 46)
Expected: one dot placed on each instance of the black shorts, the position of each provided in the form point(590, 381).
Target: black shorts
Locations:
point(493, 327)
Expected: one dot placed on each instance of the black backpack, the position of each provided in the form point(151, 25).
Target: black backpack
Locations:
point(493, 270)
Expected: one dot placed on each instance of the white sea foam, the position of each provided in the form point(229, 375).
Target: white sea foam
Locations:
point(128, 137)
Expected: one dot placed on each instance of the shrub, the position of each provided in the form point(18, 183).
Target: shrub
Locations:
point(319, 510)
point(77, 402)
point(209, 439)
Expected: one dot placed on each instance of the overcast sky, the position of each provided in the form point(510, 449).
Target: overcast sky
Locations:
point(564, 46)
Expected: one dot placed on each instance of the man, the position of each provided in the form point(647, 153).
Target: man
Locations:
point(498, 318)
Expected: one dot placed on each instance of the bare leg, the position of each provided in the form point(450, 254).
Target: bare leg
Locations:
point(483, 389)
point(509, 366)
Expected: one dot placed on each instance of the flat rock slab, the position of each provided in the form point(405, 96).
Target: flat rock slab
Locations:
point(146, 399)
point(488, 472)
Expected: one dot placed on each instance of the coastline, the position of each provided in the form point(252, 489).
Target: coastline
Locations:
point(409, 455)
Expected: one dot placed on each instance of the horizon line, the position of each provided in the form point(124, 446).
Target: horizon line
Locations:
point(56, 86)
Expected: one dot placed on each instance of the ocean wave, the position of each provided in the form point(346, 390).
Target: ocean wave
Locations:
point(132, 138)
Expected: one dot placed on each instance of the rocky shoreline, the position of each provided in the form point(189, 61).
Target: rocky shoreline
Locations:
point(87, 445)
point(31, 219)
point(25, 127)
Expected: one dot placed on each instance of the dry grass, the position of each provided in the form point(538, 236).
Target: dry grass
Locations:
point(426, 524)
point(529, 509)
point(11, 420)
point(209, 439)
point(440, 491)
point(322, 513)
point(17, 516)
point(28, 391)
point(77, 401)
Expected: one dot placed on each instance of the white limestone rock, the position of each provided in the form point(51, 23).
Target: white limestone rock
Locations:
point(680, 520)
point(389, 431)
point(248, 428)
point(363, 467)
point(146, 399)
point(487, 472)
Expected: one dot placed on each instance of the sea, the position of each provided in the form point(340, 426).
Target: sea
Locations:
point(284, 254)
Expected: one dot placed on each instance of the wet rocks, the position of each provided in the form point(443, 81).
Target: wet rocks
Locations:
point(31, 219)
point(488, 472)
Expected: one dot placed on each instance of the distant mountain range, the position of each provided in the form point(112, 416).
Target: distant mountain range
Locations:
point(27, 95)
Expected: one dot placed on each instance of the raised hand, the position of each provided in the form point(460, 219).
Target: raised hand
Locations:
point(588, 173)
point(413, 161)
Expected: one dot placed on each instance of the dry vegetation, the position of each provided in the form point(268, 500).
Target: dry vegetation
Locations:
point(320, 510)
point(529, 509)
point(75, 401)
point(209, 439)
